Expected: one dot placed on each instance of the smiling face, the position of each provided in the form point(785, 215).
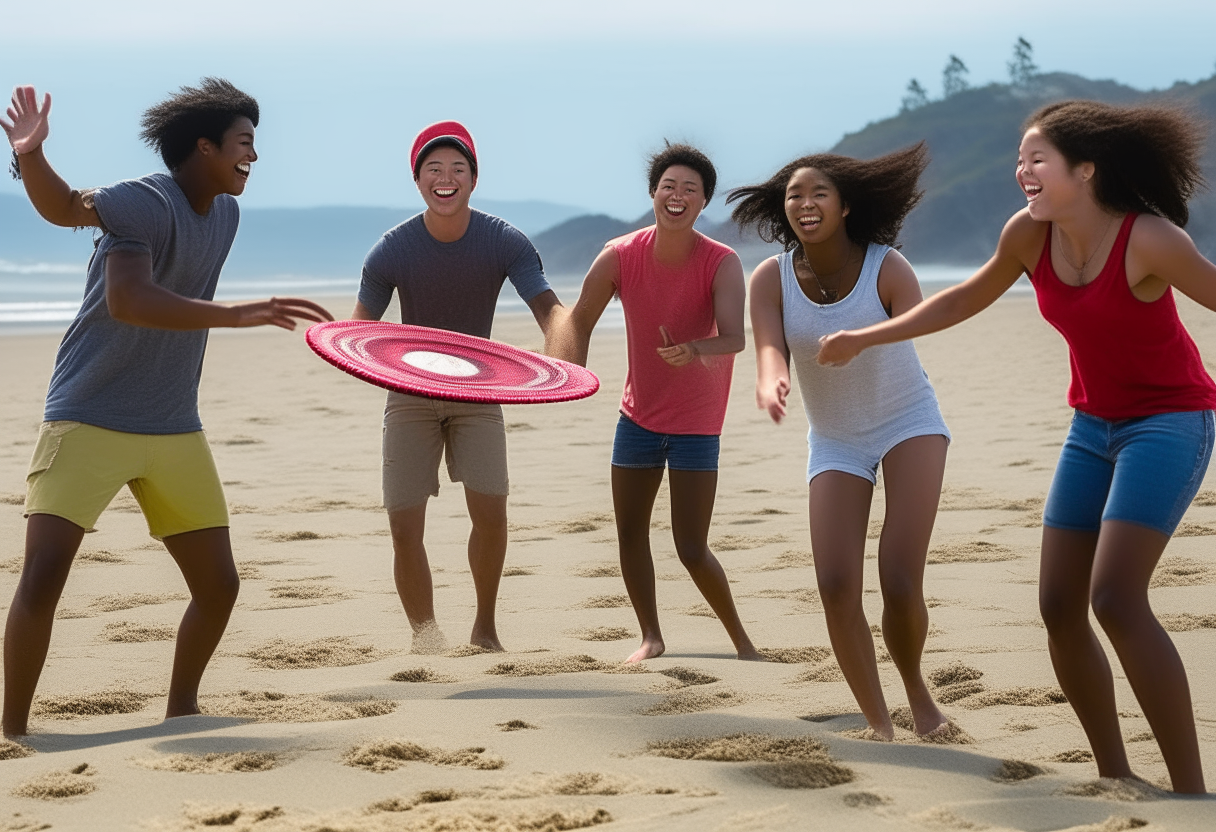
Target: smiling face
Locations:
point(445, 180)
point(813, 206)
point(1052, 186)
point(229, 164)
point(679, 198)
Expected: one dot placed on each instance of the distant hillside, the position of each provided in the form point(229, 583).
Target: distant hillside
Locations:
point(973, 138)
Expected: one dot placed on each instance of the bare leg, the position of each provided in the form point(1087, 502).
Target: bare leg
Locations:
point(205, 558)
point(1125, 558)
point(912, 475)
point(840, 511)
point(1076, 654)
point(633, 493)
point(50, 545)
point(412, 575)
point(487, 552)
point(692, 509)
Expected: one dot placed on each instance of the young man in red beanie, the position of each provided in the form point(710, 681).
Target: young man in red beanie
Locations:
point(447, 266)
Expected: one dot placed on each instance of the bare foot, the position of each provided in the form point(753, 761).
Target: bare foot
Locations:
point(650, 649)
point(189, 709)
point(751, 654)
point(13, 733)
point(875, 735)
point(926, 716)
point(487, 640)
point(429, 640)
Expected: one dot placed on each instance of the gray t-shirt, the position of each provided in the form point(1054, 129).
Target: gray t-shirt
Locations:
point(451, 286)
point(130, 378)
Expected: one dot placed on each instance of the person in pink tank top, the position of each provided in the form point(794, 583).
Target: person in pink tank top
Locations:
point(1102, 240)
point(683, 298)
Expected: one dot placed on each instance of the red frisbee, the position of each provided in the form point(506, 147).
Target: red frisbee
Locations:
point(440, 364)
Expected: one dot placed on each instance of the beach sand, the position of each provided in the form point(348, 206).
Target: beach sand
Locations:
point(319, 717)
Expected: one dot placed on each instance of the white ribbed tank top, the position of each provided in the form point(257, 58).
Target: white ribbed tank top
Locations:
point(876, 393)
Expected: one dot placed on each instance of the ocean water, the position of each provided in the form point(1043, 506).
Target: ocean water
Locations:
point(46, 296)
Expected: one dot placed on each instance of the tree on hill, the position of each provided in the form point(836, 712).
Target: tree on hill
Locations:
point(915, 96)
point(1022, 67)
point(954, 77)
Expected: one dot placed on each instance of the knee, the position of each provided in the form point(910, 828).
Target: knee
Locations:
point(693, 553)
point(901, 596)
point(1060, 610)
point(1114, 610)
point(838, 592)
point(221, 592)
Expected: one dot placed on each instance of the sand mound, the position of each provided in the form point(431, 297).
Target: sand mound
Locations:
point(1025, 696)
point(248, 572)
point(1183, 622)
point(100, 556)
point(335, 651)
point(603, 634)
point(689, 676)
point(604, 602)
point(1114, 823)
point(1015, 771)
point(700, 610)
point(217, 763)
point(691, 702)
point(117, 603)
point(389, 755)
point(739, 542)
point(576, 784)
point(56, 785)
point(975, 551)
point(419, 674)
point(465, 650)
point(585, 523)
point(1179, 571)
point(290, 537)
point(607, 569)
point(1075, 755)
point(129, 632)
point(517, 571)
point(947, 734)
point(12, 498)
point(828, 671)
point(546, 667)
point(102, 703)
point(819, 774)
point(1206, 497)
point(797, 655)
point(429, 640)
point(953, 673)
point(269, 706)
point(386, 816)
point(516, 725)
point(11, 750)
point(792, 559)
point(939, 817)
point(953, 693)
point(1128, 790)
point(865, 800)
point(741, 748)
point(1193, 530)
point(307, 590)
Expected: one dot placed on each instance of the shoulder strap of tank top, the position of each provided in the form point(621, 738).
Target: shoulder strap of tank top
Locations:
point(789, 282)
point(871, 266)
point(1118, 252)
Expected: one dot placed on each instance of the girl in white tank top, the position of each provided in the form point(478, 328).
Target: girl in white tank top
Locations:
point(837, 218)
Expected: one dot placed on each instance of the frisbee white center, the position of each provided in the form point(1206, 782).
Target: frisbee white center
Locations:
point(437, 362)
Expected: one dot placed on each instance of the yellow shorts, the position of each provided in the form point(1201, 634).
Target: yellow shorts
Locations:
point(77, 469)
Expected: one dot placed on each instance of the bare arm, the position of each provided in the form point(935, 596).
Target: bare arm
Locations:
point(729, 293)
point(548, 311)
point(362, 313)
point(133, 298)
point(55, 200)
point(898, 288)
point(571, 338)
point(1015, 254)
point(1160, 250)
point(768, 332)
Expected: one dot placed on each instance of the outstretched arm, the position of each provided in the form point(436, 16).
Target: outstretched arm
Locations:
point(133, 298)
point(1015, 255)
point(27, 128)
point(729, 293)
point(570, 335)
point(768, 332)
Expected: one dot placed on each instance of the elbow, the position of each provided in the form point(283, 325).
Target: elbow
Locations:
point(121, 307)
point(736, 344)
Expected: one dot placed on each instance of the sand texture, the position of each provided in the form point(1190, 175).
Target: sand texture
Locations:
point(323, 710)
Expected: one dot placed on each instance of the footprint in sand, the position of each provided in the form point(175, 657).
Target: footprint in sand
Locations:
point(604, 634)
point(516, 725)
point(584, 523)
point(305, 589)
point(546, 667)
point(13, 750)
point(785, 762)
point(100, 556)
point(740, 542)
point(335, 651)
point(1031, 697)
point(86, 705)
point(1180, 571)
point(955, 681)
point(605, 569)
point(214, 763)
point(1185, 622)
point(1128, 790)
point(12, 499)
point(865, 800)
point(291, 537)
point(517, 571)
point(118, 603)
point(1016, 771)
point(975, 551)
point(390, 755)
point(1075, 755)
point(797, 655)
point(57, 785)
point(271, 706)
point(604, 602)
point(420, 674)
point(977, 499)
point(827, 671)
point(1194, 530)
point(793, 559)
point(691, 702)
point(128, 632)
point(689, 676)
point(699, 610)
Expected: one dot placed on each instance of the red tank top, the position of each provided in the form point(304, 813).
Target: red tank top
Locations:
point(661, 398)
point(1129, 358)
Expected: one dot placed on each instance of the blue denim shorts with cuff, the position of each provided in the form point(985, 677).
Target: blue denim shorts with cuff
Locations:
point(637, 447)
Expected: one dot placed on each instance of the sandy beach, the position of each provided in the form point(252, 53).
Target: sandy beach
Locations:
point(319, 717)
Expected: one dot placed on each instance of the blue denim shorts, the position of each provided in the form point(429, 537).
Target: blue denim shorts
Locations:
point(636, 447)
point(1144, 471)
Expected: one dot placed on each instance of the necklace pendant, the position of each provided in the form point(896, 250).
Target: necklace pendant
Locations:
point(829, 295)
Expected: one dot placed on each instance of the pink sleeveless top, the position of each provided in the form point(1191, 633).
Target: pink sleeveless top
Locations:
point(1129, 358)
point(661, 398)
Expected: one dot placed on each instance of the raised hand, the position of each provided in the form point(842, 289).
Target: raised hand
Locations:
point(28, 126)
point(773, 399)
point(837, 349)
point(677, 355)
point(280, 312)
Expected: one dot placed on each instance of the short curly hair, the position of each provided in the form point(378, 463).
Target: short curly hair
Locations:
point(173, 127)
point(689, 157)
point(879, 193)
point(1147, 159)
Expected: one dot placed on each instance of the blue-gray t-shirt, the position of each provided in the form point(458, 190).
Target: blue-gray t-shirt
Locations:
point(451, 286)
point(138, 379)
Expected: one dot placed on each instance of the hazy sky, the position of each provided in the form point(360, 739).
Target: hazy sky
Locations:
point(563, 98)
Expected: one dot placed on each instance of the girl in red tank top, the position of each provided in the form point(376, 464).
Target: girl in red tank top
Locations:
point(1101, 238)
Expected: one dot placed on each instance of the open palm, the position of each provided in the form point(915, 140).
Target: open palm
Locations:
point(28, 126)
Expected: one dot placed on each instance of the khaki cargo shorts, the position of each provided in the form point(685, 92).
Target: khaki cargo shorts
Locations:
point(418, 431)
